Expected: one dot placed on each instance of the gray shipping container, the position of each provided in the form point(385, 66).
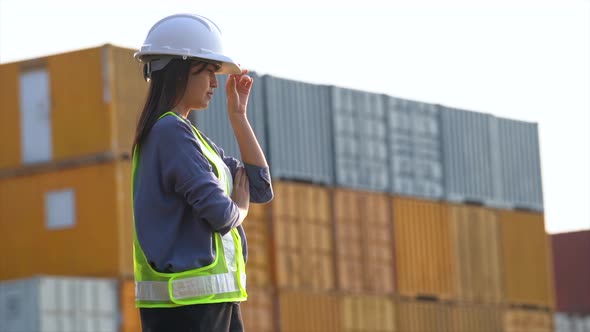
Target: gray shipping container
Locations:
point(467, 157)
point(517, 163)
point(214, 121)
point(59, 304)
point(299, 132)
point(360, 140)
point(415, 156)
point(571, 323)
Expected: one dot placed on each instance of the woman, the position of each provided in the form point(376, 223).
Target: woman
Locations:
point(189, 245)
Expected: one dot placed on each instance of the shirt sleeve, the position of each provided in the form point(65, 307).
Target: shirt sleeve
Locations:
point(258, 177)
point(186, 171)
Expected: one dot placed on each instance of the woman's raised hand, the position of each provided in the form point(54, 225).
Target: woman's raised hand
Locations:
point(238, 90)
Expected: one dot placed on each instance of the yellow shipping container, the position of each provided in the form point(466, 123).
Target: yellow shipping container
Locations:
point(424, 263)
point(88, 102)
point(526, 259)
point(364, 313)
point(310, 312)
point(476, 239)
point(469, 318)
point(423, 316)
point(70, 222)
point(302, 233)
point(522, 320)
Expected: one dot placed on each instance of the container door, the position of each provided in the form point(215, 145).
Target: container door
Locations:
point(35, 116)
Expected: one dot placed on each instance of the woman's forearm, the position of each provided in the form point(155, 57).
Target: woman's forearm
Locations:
point(249, 148)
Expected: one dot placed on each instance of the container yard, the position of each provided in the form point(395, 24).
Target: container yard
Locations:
point(383, 218)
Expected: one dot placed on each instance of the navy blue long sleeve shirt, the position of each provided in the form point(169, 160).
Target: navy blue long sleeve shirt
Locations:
point(179, 202)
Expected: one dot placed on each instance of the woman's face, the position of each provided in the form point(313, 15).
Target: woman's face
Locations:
point(200, 86)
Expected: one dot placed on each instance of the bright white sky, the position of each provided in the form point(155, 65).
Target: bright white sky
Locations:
point(521, 59)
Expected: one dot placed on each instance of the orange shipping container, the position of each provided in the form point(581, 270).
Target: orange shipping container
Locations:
point(521, 320)
point(377, 239)
point(364, 249)
point(526, 259)
point(69, 222)
point(423, 316)
point(9, 106)
point(310, 312)
point(364, 313)
point(71, 105)
point(302, 234)
point(476, 240)
point(349, 256)
point(130, 321)
point(258, 312)
point(424, 263)
point(256, 227)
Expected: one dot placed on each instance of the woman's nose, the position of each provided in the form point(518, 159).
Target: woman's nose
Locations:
point(214, 81)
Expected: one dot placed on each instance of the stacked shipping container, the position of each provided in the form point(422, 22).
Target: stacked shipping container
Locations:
point(571, 255)
point(415, 154)
point(361, 246)
point(65, 189)
point(50, 304)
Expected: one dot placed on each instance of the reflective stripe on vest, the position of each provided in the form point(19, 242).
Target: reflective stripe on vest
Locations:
point(222, 281)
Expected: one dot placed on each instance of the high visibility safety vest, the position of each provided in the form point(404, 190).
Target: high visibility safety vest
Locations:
point(224, 280)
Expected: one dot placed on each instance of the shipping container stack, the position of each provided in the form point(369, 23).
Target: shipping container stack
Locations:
point(65, 202)
point(571, 256)
point(389, 214)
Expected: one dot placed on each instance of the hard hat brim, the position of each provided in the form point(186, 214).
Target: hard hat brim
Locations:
point(228, 66)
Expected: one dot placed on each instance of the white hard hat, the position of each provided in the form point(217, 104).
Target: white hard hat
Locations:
point(186, 36)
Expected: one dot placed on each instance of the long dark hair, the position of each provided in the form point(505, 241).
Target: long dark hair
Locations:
point(166, 89)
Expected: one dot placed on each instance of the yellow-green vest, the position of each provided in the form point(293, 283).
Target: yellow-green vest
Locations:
point(224, 280)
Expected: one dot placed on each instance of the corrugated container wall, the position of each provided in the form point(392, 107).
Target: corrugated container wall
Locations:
point(362, 313)
point(423, 316)
point(129, 91)
point(310, 312)
point(571, 257)
point(415, 155)
point(571, 323)
point(59, 304)
point(299, 130)
point(257, 229)
point(422, 233)
point(130, 321)
point(364, 246)
point(259, 312)
point(519, 166)
point(348, 240)
point(59, 221)
point(475, 235)
point(360, 140)
point(469, 174)
point(471, 318)
point(519, 320)
point(9, 108)
point(214, 121)
point(47, 107)
point(526, 259)
point(302, 236)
